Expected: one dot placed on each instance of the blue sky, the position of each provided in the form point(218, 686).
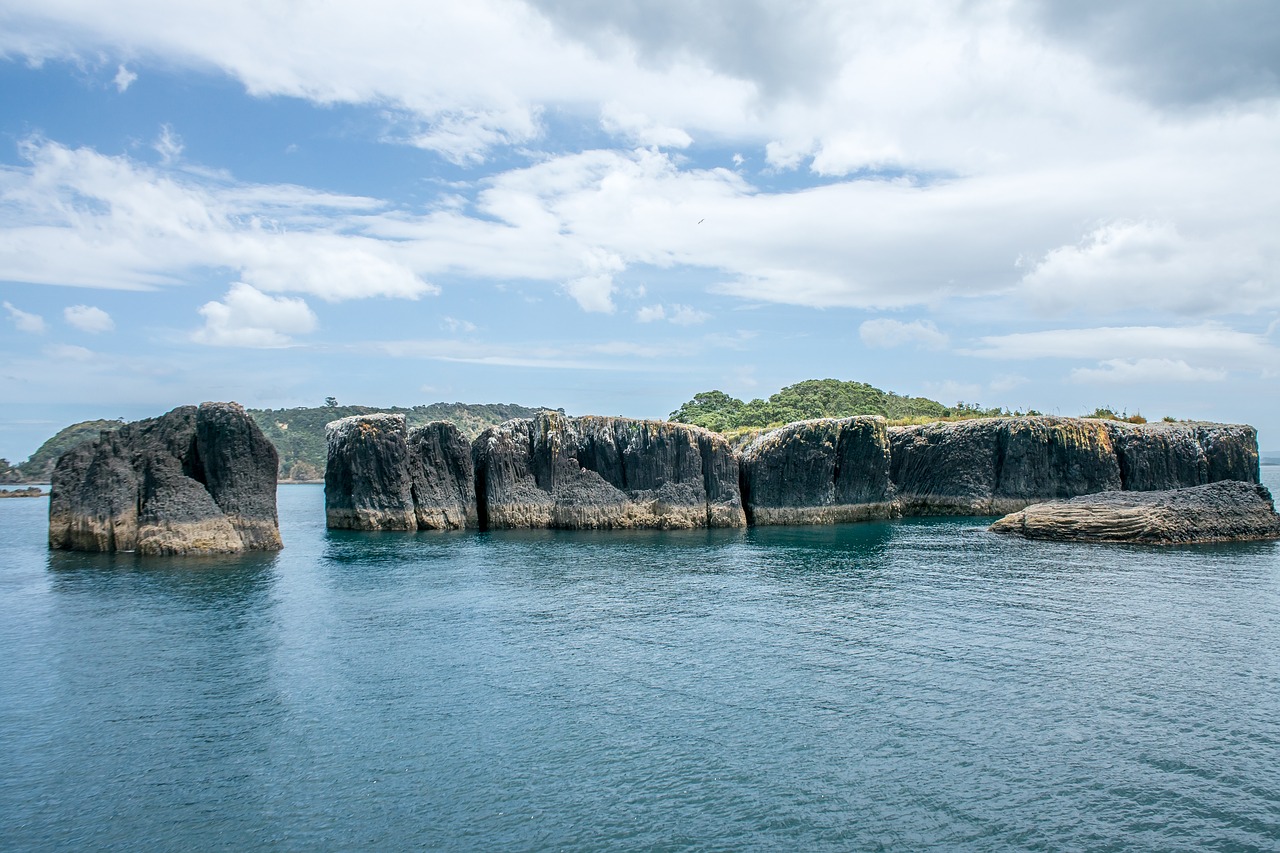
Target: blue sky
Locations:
point(608, 207)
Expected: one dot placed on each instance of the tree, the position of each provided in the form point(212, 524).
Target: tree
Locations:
point(331, 402)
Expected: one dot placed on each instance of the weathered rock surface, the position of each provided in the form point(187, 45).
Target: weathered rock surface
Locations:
point(193, 481)
point(381, 476)
point(599, 473)
point(1158, 456)
point(825, 471)
point(1225, 511)
point(995, 465)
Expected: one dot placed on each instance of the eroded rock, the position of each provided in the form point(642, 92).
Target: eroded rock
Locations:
point(197, 480)
point(599, 473)
point(824, 471)
point(1225, 511)
point(381, 476)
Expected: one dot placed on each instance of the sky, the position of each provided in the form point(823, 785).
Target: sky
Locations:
point(610, 206)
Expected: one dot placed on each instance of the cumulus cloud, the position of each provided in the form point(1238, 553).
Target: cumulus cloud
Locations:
point(1144, 371)
point(885, 333)
point(1118, 265)
point(247, 317)
point(87, 318)
point(24, 321)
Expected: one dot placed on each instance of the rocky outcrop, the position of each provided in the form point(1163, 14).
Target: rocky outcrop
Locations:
point(995, 465)
point(825, 471)
point(1225, 511)
point(193, 481)
point(600, 473)
point(1176, 455)
point(381, 476)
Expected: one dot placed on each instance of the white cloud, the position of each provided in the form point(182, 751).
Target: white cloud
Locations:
point(1145, 371)
point(1210, 346)
point(453, 324)
point(886, 333)
point(68, 352)
point(1124, 265)
point(25, 321)
point(651, 313)
point(124, 79)
point(593, 293)
point(168, 145)
point(641, 130)
point(246, 317)
point(87, 318)
point(77, 217)
point(687, 315)
point(680, 315)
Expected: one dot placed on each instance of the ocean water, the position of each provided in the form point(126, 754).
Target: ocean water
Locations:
point(909, 685)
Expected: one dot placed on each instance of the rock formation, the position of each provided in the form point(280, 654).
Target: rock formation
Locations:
point(381, 476)
point(994, 465)
point(193, 481)
point(823, 471)
point(599, 473)
point(1224, 511)
point(1175, 455)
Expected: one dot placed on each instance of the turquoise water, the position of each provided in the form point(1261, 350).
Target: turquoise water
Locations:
point(899, 685)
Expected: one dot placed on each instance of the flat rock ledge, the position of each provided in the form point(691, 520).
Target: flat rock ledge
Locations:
point(1226, 511)
point(197, 480)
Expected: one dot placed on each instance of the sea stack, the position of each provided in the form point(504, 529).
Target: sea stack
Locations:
point(825, 471)
point(1225, 511)
point(197, 480)
point(382, 476)
point(552, 471)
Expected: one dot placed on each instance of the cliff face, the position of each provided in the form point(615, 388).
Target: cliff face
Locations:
point(1177, 455)
point(598, 473)
point(824, 471)
point(380, 476)
point(989, 466)
point(1225, 511)
point(193, 481)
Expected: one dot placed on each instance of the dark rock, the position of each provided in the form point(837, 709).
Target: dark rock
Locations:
point(440, 468)
point(823, 471)
point(596, 473)
point(1225, 511)
point(993, 465)
point(367, 483)
point(1176, 455)
point(193, 481)
point(380, 476)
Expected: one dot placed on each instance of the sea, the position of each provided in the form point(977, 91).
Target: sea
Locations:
point(911, 685)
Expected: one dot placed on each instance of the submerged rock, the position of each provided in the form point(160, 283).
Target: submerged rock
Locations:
point(1225, 511)
point(823, 471)
point(381, 476)
point(598, 473)
point(193, 481)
